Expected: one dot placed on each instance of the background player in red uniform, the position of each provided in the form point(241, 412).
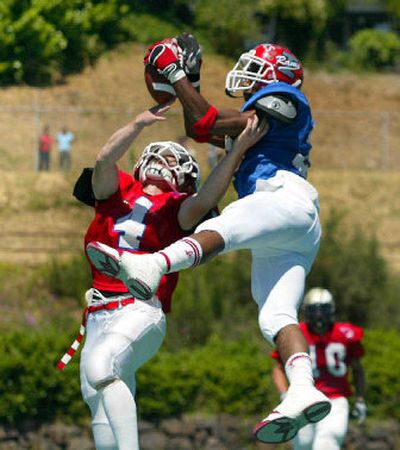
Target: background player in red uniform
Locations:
point(334, 348)
point(139, 212)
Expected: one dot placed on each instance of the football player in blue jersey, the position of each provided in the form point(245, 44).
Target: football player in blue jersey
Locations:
point(275, 216)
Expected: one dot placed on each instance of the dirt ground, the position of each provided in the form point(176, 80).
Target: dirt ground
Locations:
point(356, 161)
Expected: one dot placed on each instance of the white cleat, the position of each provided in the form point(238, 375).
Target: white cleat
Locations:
point(139, 272)
point(301, 406)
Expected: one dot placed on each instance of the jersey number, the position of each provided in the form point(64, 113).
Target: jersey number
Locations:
point(335, 354)
point(131, 226)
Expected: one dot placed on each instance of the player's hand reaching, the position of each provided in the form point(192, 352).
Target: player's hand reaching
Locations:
point(191, 57)
point(152, 115)
point(252, 133)
point(360, 411)
point(166, 57)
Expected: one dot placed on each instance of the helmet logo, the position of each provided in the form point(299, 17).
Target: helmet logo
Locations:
point(287, 64)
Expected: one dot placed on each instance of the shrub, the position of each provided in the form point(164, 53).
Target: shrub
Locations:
point(69, 278)
point(30, 386)
point(232, 377)
point(382, 381)
point(146, 28)
point(350, 265)
point(234, 25)
point(375, 49)
point(215, 297)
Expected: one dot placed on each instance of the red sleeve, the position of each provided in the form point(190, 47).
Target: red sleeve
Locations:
point(354, 336)
point(125, 183)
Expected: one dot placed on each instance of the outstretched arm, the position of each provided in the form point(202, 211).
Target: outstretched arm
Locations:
point(194, 208)
point(202, 120)
point(228, 121)
point(105, 175)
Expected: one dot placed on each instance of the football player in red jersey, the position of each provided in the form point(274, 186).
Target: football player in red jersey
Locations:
point(139, 212)
point(335, 347)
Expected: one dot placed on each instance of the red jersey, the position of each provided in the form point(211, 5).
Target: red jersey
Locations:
point(331, 354)
point(138, 222)
point(45, 143)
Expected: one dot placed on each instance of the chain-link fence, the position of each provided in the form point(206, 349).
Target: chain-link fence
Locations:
point(341, 139)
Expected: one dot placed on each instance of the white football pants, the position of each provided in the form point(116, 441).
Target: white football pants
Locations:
point(329, 433)
point(117, 343)
point(279, 223)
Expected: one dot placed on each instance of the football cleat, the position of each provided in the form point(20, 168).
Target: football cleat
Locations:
point(141, 274)
point(302, 405)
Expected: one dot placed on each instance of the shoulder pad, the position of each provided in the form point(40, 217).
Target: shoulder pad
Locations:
point(278, 107)
point(83, 187)
point(350, 332)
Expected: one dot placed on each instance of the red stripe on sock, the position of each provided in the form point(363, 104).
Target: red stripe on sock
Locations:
point(168, 261)
point(197, 251)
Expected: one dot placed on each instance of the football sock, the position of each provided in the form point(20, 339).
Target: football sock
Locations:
point(120, 407)
point(298, 369)
point(180, 255)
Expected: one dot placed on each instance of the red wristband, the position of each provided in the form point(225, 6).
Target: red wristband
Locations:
point(203, 126)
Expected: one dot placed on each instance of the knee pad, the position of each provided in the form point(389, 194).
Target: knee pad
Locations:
point(99, 367)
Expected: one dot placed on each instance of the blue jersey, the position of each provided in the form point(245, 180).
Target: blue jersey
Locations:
point(283, 144)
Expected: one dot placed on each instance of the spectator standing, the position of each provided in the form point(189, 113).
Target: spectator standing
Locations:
point(44, 149)
point(64, 141)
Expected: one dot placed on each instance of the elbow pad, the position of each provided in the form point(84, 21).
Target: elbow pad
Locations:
point(277, 107)
point(203, 126)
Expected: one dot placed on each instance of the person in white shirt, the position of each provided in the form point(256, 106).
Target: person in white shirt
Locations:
point(64, 141)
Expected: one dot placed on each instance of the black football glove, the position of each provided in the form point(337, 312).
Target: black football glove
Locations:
point(191, 57)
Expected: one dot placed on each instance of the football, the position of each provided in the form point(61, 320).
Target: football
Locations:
point(158, 86)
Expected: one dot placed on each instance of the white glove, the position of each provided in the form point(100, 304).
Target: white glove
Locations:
point(360, 411)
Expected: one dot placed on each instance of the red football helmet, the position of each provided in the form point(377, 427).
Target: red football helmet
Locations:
point(264, 64)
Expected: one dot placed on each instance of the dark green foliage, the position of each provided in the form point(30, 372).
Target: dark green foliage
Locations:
point(146, 28)
point(232, 377)
point(41, 41)
point(350, 265)
point(234, 24)
point(69, 278)
point(374, 49)
point(212, 298)
point(381, 363)
point(30, 386)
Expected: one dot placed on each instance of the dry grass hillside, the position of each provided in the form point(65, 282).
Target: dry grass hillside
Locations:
point(355, 161)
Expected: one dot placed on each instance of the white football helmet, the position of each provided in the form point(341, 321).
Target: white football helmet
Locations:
point(319, 310)
point(184, 176)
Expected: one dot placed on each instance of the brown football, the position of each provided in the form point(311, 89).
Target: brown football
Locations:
point(158, 86)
